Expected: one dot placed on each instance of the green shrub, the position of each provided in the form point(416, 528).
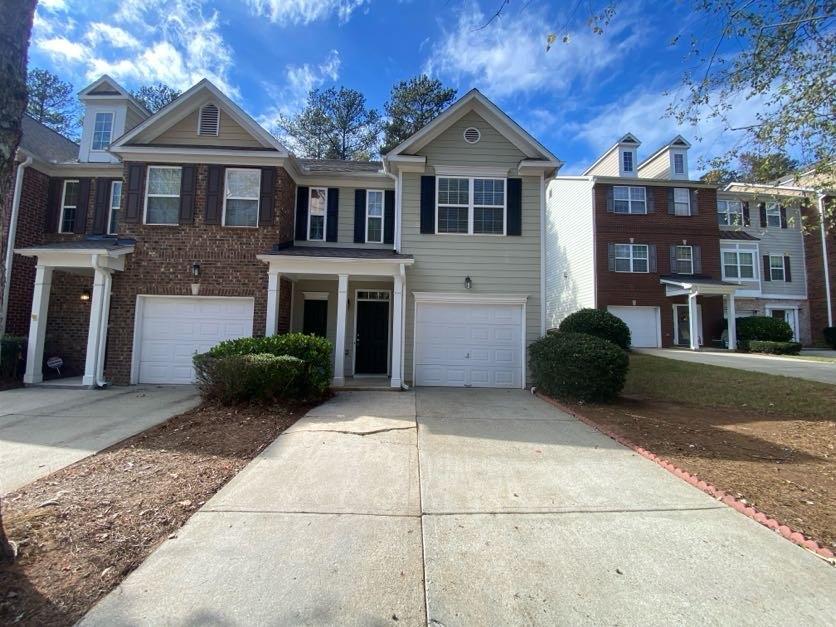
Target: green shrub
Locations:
point(314, 351)
point(761, 328)
point(241, 378)
point(576, 366)
point(599, 323)
point(12, 352)
point(830, 336)
point(774, 348)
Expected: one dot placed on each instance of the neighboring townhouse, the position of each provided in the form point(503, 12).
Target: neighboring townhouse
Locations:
point(641, 240)
point(164, 234)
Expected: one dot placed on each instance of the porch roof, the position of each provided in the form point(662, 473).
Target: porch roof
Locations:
point(679, 284)
point(334, 252)
point(111, 246)
point(738, 235)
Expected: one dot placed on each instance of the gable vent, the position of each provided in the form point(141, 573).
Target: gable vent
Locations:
point(472, 135)
point(209, 120)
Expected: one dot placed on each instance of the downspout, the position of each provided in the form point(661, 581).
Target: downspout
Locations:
point(824, 261)
point(10, 244)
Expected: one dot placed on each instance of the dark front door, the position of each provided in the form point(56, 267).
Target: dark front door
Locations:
point(372, 344)
point(683, 325)
point(315, 318)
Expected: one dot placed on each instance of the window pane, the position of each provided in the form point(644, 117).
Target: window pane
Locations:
point(375, 203)
point(622, 250)
point(621, 206)
point(243, 183)
point(638, 206)
point(637, 193)
point(622, 265)
point(680, 194)
point(621, 193)
point(488, 220)
point(165, 181)
point(116, 194)
point(163, 210)
point(731, 272)
point(241, 212)
point(113, 227)
point(71, 193)
point(317, 201)
point(639, 265)
point(746, 259)
point(452, 219)
point(488, 192)
point(375, 229)
point(453, 191)
point(747, 272)
point(640, 251)
point(102, 129)
point(68, 220)
point(317, 227)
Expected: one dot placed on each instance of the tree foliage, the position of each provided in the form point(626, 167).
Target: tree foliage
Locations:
point(52, 102)
point(412, 104)
point(155, 96)
point(753, 168)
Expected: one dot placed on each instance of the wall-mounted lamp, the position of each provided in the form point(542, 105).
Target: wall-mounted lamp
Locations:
point(467, 283)
point(85, 294)
point(196, 270)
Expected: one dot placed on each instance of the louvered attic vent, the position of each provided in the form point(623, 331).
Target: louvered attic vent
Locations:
point(210, 119)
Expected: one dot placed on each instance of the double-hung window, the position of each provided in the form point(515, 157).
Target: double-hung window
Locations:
point(472, 206)
point(730, 212)
point(773, 215)
point(374, 216)
point(678, 163)
point(69, 205)
point(115, 206)
point(776, 268)
point(629, 199)
point(681, 201)
point(241, 196)
point(627, 160)
point(631, 258)
point(317, 203)
point(739, 264)
point(162, 196)
point(684, 260)
point(102, 130)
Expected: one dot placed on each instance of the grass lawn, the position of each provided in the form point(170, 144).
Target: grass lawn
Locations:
point(767, 439)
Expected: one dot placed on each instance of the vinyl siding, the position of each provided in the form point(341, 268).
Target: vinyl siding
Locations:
point(608, 166)
point(184, 133)
point(345, 225)
point(492, 149)
point(132, 119)
point(570, 248)
point(658, 168)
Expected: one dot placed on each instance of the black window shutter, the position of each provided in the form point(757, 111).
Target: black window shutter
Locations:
point(767, 274)
point(214, 194)
point(610, 200)
point(696, 256)
point(332, 225)
point(427, 204)
point(53, 204)
point(389, 216)
point(787, 273)
point(651, 258)
point(611, 257)
point(650, 199)
point(267, 196)
point(783, 217)
point(134, 197)
point(674, 265)
point(695, 202)
point(80, 225)
point(762, 211)
point(747, 218)
point(302, 213)
point(101, 206)
point(671, 204)
point(359, 216)
point(188, 177)
point(514, 226)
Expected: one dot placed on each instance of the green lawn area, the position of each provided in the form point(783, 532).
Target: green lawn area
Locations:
point(669, 380)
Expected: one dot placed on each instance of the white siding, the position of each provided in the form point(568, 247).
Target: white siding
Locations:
point(184, 133)
point(608, 165)
point(657, 168)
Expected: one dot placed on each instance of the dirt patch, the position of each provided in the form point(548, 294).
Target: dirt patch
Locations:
point(783, 466)
point(82, 529)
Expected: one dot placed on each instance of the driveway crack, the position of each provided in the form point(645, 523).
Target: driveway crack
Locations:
point(346, 432)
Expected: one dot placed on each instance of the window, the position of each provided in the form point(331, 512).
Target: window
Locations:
point(684, 260)
point(776, 267)
point(102, 129)
point(631, 258)
point(69, 204)
point(629, 199)
point(241, 197)
point(681, 201)
point(773, 215)
point(730, 212)
point(374, 216)
point(678, 163)
point(162, 196)
point(474, 206)
point(739, 264)
point(115, 206)
point(627, 159)
point(372, 295)
point(209, 120)
point(317, 201)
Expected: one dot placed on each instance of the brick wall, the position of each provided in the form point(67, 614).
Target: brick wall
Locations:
point(816, 292)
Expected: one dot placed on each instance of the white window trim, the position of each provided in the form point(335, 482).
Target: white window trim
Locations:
point(110, 205)
point(382, 215)
point(691, 248)
point(147, 186)
point(783, 278)
point(471, 205)
point(646, 258)
point(688, 196)
point(630, 201)
point(776, 208)
point(324, 215)
point(64, 206)
point(737, 249)
point(739, 214)
point(93, 135)
point(257, 198)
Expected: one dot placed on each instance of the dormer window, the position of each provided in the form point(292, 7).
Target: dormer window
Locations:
point(209, 120)
point(678, 163)
point(102, 130)
point(627, 160)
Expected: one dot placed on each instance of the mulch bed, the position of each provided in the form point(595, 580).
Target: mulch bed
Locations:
point(782, 466)
point(81, 530)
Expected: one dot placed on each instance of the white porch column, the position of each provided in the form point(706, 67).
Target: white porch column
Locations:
point(95, 333)
point(342, 317)
point(274, 283)
point(397, 329)
point(732, 324)
point(37, 325)
point(693, 322)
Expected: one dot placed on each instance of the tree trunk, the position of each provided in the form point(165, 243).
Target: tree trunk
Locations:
point(15, 27)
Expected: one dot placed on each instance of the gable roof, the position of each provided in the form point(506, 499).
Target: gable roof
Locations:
point(45, 144)
point(677, 142)
point(474, 100)
point(627, 138)
point(187, 103)
point(106, 87)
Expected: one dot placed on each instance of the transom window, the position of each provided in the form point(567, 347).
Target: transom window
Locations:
point(372, 295)
point(374, 216)
point(473, 206)
point(317, 201)
point(773, 215)
point(627, 158)
point(102, 130)
point(681, 201)
point(730, 212)
point(69, 206)
point(162, 196)
point(629, 199)
point(631, 258)
point(678, 163)
point(739, 264)
point(684, 257)
point(115, 207)
point(776, 267)
point(241, 196)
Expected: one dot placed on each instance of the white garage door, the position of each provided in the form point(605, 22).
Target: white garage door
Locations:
point(469, 345)
point(643, 322)
point(173, 329)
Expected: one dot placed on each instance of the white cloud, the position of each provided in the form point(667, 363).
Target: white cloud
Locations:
point(305, 11)
point(63, 48)
point(101, 33)
point(53, 5)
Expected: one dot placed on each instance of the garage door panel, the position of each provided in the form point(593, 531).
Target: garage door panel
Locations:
point(643, 323)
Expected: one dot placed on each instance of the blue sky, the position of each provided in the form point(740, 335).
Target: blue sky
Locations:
point(577, 98)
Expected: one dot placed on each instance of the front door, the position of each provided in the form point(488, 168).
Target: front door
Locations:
point(372, 342)
point(788, 316)
point(315, 317)
point(683, 326)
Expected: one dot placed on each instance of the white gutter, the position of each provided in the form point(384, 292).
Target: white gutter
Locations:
point(10, 244)
point(824, 261)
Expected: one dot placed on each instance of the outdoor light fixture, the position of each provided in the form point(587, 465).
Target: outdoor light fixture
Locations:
point(467, 283)
point(196, 270)
point(85, 294)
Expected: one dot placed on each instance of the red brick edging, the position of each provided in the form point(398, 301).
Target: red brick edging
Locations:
point(789, 533)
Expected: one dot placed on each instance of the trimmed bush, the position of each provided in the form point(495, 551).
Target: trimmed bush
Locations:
point(830, 336)
point(774, 348)
point(314, 351)
point(12, 356)
point(599, 323)
point(761, 328)
point(241, 378)
point(576, 366)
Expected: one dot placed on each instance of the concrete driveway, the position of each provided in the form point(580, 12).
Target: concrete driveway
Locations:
point(465, 507)
point(768, 364)
point(43, 429)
